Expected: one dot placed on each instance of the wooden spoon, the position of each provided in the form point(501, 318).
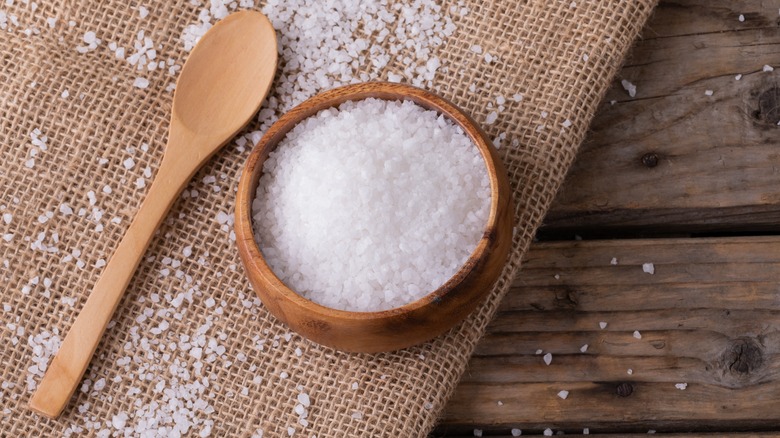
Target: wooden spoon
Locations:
point(224, 81)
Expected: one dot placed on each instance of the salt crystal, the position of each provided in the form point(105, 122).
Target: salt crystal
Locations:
point(99, 384)
point(548, 432)
point(7, 218)
point(648, 268)
point(566, 123)
point(637, 334)
point(141, 82)
point(741, 18)
point(586, 431)
point(547, 358)
point(477, 432)
point(603, 325)
point(516, 432)
point(738, 77)
point(491, 118)
point(708, 92)
point(681, 386)
point(476, 49)
point(614, 261)
point(143, 12)
point(187, 251)
point(89, 37)
point(119, 420)
point(517, 97)
point(630, 371)
point(65, 94)
point(628, 86)
point(584, 348)
point(768, 68)
point(563, 394)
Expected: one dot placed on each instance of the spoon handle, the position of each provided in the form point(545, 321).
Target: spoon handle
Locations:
point(66, 369)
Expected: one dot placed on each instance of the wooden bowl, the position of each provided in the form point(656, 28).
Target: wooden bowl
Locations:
point(403, 326)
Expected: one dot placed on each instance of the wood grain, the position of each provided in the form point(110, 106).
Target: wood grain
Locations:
point(673, 159)
point(221, 87)
point(709, 316)
point(412, 323)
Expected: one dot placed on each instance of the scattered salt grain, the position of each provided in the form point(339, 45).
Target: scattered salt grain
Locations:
point(141, 82)
point(681, 386)
point(357, 415)
point(548, 432)
point(143, 12)
point(738, 77)
point(585, 431)
point(614, 261)
point(566, 123)
point(476, 48)
point(65, 94)
point(547, 358)
point(517, 97)
point(629, 87)
point(637, 334)
point(491, 118)
point(741, 18)
point(477, 432)
point(648, 268)
point(708, 92)
point(7, 218)
point(584, 348)
point(119, 420)
point(563, 394)
point(367, 260)
point(603, 325)
point(629, 371)
point(768, 68)
point(128, 163)
point(516, 432)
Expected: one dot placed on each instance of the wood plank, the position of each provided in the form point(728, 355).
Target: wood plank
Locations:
point(673, 158)
point(709, 316)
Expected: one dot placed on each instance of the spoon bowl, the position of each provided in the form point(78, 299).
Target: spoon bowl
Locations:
point(411, 323)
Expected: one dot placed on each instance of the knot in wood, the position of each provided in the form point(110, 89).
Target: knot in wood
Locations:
point(624, 389)
point(650, 159)
point(745, 355)
point(769, 106)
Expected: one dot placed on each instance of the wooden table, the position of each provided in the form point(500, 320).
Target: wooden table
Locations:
point(679, 178)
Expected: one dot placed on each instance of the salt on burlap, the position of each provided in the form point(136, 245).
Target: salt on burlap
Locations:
point(190, 289)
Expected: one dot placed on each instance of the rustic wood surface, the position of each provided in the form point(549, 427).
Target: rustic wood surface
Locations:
point(672, 158)
point(708, 317)
point(672, 165)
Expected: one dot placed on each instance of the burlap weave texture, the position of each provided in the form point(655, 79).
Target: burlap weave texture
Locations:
point(559, 55)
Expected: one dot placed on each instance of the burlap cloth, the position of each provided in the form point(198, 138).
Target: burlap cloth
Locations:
point(559, 55)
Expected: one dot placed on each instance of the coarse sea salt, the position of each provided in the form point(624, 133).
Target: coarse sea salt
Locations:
point(372, 205)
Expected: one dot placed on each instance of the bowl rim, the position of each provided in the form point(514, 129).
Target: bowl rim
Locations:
point(252, 257)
